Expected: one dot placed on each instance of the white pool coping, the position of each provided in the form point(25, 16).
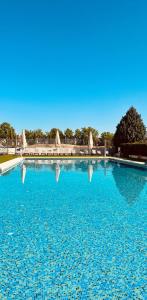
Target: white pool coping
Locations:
point(129, 162)
point(7, 165)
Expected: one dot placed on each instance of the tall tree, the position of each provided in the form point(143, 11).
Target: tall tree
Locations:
point(130, 129)
point(85, 134)
point(69, 133)
point(29, 134)
point(108, 136)
point(82, 135)
point(7, 131)
point(78, 136)
point(52, 133)
point(38, 133)
point(35, 134)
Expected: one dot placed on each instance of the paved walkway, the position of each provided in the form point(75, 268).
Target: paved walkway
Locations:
point(7, 165)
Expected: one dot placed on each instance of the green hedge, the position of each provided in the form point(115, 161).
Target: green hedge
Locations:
point(139, 149)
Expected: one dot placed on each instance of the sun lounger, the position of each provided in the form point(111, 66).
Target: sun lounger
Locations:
point(37, 152)
point(81, 152)
point(67, 152)
point(28, 151)
point(98, 152)
point(55, 151)
point(49, 152)
point(93, 151)
point(73, 152)
point(44, 152)
point(86, 152)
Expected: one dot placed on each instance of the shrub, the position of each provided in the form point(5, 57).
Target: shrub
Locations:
point(139, 149)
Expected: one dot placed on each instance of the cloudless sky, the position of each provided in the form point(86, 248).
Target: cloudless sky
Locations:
point(72, 63)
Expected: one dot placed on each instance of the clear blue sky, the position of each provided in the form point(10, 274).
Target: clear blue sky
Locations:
point(72, 63)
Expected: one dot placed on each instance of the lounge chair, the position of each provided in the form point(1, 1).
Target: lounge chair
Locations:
point(60, 151)
point(86, 152)
point(81, 152)
point(49, 152)
point(98, 152)
point(55, 151)
point(93, 151)
point(73, 152)
point(37, 152)
point(44, 152)
point(67, 152)
point(26, 152)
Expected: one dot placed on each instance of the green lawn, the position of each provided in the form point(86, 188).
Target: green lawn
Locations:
point(7, 157)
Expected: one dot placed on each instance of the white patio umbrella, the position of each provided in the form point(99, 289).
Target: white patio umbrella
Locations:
point(90, 172)
point(24, 142)
point(57, 138)
point(90, 141)
point(23, 174)
point(57, 170)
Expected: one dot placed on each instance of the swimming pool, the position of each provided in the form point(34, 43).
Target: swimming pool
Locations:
point(72, 229)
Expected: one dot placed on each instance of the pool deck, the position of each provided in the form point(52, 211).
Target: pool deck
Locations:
point(6, 166)
point(129, 162)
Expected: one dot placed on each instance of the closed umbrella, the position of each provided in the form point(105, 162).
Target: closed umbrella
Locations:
point(57, 138)
point(24, 142)
point(90, 141)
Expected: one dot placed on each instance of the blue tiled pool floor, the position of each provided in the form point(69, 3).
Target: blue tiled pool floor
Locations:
point(72, 230)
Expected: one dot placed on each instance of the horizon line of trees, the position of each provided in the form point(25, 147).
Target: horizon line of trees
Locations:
point(130, 129)
point(80, 135)
point(7, 132)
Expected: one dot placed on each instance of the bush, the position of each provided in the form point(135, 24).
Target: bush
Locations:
point(139, 149)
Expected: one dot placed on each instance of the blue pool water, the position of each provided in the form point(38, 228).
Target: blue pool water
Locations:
point(72, 230)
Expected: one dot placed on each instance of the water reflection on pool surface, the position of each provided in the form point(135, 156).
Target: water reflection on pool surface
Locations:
point(72, 229)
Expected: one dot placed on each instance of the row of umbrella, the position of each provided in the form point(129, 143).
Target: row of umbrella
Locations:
point(57, 139)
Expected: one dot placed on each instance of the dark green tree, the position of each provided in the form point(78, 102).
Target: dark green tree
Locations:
point(108, 136)
point(78, 136)
point(82, 135)
point(130, 129)
point(38, 134)
point(29, 134)
point(7, 131)
point(69, 133)
point(35, 134)
point(52, 133)
point(85, 134)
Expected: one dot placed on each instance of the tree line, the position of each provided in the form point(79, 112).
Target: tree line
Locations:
point(80, 135)
point(129, 130)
